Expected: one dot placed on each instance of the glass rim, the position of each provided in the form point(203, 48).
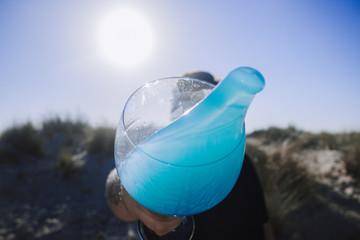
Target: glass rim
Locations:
point(238, 144)
point(152, 82)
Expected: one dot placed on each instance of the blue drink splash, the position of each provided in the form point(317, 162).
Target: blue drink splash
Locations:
point(191, 164)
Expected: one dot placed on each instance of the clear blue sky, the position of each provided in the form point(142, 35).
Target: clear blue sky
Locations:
point(308, 52)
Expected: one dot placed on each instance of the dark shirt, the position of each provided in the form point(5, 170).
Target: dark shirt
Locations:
point(241, 215)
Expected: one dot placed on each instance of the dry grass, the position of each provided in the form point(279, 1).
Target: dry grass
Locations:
point(19, 141)
point(352, 161)
point(297, 140)
point(287, 186)
point(102, 142)
point(57, 138)
point(66, 164)
point(65, 131)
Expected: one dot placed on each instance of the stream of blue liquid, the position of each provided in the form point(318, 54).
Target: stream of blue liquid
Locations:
point(192, 164)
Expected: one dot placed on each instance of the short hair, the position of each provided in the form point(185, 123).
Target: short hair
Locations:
point(201, 75)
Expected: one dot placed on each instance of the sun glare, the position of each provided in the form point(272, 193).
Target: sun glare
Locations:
point(125, 37)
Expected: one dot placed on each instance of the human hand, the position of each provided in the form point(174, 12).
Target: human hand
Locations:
point(127, 209)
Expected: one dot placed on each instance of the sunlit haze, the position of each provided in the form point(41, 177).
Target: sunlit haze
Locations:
point(85, 58)
point(125, 37)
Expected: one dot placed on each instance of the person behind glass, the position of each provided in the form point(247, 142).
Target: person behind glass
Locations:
point(241, 215)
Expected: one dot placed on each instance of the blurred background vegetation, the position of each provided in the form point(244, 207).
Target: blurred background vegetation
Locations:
point(296, 197)
point(301, 200)
point(63, 138)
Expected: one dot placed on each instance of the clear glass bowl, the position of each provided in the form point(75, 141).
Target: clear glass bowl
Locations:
point(172, 163)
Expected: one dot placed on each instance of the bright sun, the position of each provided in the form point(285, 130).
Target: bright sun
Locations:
point(125, 37)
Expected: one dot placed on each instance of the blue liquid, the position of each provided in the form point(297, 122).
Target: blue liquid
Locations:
point(193, 163)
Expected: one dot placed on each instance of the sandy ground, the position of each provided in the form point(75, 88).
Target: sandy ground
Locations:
point(37, 202)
